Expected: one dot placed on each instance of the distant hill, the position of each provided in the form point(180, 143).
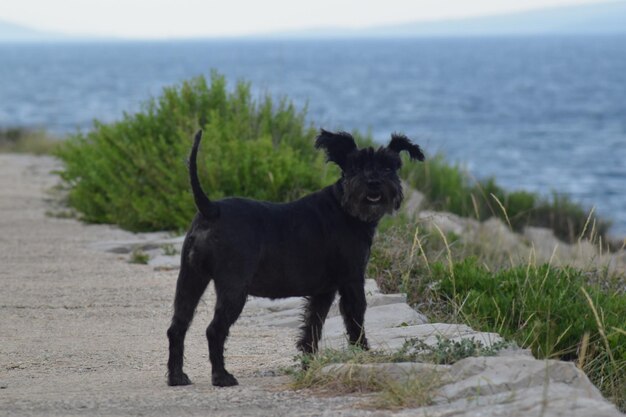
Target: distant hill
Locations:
point(586, 19)
point(11, 32)
point(15, 33)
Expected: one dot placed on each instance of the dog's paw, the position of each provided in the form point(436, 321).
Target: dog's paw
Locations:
point(224, 380)
point(364, 344)
point(307, 348)
point(179, 379)
point(361, 343)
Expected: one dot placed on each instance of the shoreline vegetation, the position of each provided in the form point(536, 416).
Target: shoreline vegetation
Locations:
point(26, 140)
point(132, 173)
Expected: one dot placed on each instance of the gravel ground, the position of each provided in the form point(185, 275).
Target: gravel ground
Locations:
point(83, 332)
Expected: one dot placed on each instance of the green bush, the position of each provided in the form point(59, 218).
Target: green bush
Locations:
point(133, 172)
point(445, 186)
point(545, 309)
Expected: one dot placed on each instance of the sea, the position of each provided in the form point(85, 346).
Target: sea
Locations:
point(545, 114)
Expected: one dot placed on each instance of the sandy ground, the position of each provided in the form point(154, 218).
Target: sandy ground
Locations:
point(83, 332)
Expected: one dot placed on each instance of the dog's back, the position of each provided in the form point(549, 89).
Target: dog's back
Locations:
point(271, 239)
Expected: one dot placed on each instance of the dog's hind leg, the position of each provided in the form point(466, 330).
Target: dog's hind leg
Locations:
point(230, 302)
point(189, 288)
point(315, 313)
point(352, 306)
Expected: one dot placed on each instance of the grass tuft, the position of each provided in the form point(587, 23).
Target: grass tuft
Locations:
point(412, 389)
point(138, 256)
point(415, 391)
point(348, 377)
point(21, 140)
point(169, 250)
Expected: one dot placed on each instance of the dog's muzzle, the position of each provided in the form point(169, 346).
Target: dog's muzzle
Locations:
point(374, 197)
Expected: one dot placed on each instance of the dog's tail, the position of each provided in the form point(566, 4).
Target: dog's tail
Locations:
point(207, 208)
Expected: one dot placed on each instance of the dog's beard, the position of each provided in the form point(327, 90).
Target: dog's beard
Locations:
point(367, 205)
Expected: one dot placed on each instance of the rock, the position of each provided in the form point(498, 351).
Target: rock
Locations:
point(164, 262)
point(493, 375)
point(291, 318)
point(618, 261)
point(413, 200)
point(378, 318)
point(372, 301)
point(280, 304)
point(587, 252)
point(544, 242)
point(287, 312)
point(494, 234)
point(518, 386)
point(371, 287)
point(140, 241)
point(392, 339)
point(492, 386)
point(582, 254)
point(447, 222)
point(552, 400)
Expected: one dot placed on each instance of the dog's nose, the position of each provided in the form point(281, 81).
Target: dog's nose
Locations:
point(373, 183)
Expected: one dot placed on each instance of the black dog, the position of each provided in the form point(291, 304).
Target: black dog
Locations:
point(312, 247)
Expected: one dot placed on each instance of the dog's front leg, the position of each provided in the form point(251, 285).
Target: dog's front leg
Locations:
point(352, 306)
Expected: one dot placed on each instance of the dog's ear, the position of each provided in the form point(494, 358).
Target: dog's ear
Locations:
point(401, 143)
point(337, 146)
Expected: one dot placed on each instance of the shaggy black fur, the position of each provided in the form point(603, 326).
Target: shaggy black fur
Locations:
point(313, 247)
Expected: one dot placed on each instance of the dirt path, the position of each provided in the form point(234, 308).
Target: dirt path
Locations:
point(83, 332)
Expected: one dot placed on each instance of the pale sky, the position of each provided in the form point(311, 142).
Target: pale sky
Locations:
point(150, 19)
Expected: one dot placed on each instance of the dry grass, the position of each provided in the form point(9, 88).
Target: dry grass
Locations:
point(414, 389)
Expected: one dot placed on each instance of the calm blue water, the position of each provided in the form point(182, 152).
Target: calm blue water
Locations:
point(540, 114)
